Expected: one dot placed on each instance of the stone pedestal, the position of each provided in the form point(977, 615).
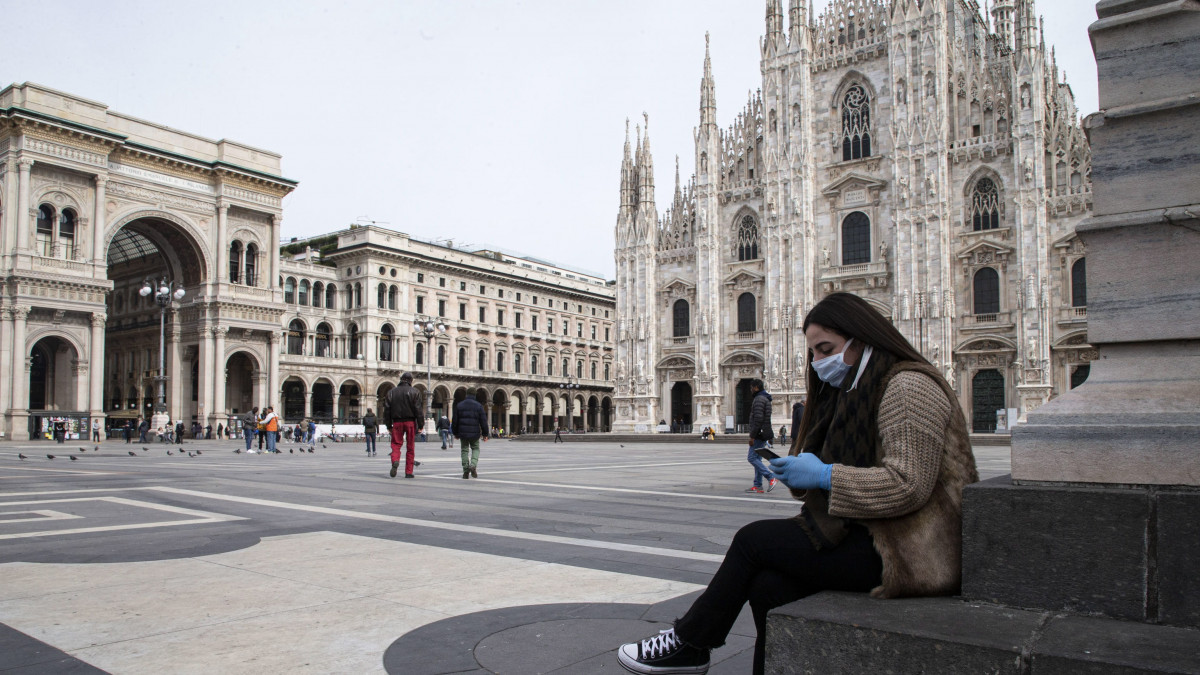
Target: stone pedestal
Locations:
point(1137, 418)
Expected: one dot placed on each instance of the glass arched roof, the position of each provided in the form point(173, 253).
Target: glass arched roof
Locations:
point(128, 245)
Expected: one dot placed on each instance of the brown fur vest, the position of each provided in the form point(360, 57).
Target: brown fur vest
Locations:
point(922, 550)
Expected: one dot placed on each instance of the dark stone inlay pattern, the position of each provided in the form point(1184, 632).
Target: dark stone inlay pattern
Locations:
point(20, 653)
point(559, 638)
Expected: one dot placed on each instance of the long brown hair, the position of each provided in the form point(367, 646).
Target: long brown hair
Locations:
point(850, 317)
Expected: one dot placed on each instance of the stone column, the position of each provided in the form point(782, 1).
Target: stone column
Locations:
point(337, 397)
point(204, 371)
point(6, 357)
point(80, 369)
point(273, 250)
point(96, 366)
point(175, 402)
point(308, 404)
point(222, 242)
point(20, 376)
point(23, 197)
point(99, 255)
point(273, 394)
point(218, 412)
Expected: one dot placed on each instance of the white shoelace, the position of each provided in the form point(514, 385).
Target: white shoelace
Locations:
point(660, 644)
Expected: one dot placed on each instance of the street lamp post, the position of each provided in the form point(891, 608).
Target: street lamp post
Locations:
point(429, 328)
point(165, 293)
point(567, 387)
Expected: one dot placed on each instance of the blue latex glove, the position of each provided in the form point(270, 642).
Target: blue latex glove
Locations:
point(803, 472)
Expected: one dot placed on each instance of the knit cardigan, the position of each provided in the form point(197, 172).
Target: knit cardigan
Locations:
point(911, 500)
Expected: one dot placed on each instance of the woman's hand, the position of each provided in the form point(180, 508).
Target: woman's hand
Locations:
point(803, 472)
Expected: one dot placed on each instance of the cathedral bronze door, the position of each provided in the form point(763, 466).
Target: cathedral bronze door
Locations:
point(743, 400)
point(681, 403)
point(987, 396)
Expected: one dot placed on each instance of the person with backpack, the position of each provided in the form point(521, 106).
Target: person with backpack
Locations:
point(405, 406)
point(370, 428)
point(470, 423)
point(760, 435)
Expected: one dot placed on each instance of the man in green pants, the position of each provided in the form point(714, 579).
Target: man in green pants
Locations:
point(470, 424)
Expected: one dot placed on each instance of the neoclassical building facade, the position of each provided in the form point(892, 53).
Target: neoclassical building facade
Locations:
point(533, 341)
point(96, 205)
point(921, 154)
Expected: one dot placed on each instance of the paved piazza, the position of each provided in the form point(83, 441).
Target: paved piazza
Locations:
point(320, 563)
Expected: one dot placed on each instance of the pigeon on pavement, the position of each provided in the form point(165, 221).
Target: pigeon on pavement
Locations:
point(291, 451)
point(74, 458)
point(21, 456)
point(237, 451)
point(190, 455)
point(311, 451)
point(199, 453)
point(96, 449)
point(170, 453)
point(49, 456)
point(83, 449)
point(133, 454)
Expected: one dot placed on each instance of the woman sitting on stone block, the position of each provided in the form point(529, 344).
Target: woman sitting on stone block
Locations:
point(879, 461)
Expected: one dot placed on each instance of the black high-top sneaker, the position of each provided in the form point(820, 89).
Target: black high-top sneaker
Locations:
point(663, 654)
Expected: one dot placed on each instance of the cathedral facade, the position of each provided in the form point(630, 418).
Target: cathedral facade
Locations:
point(923, 154)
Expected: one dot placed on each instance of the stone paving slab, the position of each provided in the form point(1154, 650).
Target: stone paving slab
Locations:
point(321, 563)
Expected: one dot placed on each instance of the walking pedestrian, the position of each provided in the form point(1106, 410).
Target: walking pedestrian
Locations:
point(271, 428)
point(760, 435)
point(249, 426)
point(261, 428)
point(470, 423)
point(370, 428)
point(312, 431)
point(179, 431)
point(220, 431)
point(143, 429)
point(558, 435)
point(127, 430)
point(880, 465)
point(797, 415)
point(404, 412)
point(444, 428)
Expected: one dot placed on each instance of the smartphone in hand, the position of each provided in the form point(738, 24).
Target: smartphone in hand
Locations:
point(766, 454)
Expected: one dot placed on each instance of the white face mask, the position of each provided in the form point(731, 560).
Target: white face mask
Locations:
point(832, 369)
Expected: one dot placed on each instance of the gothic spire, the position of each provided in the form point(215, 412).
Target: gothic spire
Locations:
point(627, 186)
point(1026, 31)
point(708, 96)
point(774, 23)
point(646, 165)
point(796, 14)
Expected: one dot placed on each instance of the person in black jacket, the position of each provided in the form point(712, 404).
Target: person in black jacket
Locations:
point(404, 412)
point(760, 433)
point(444, 430)
point(370, 428)
point(470, 423)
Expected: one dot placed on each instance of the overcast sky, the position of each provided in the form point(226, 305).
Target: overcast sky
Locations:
point(498, 122)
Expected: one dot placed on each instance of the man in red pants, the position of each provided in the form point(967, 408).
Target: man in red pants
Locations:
point(404, 411)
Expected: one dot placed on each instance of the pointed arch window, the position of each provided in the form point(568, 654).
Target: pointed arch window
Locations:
point(747, 239)
point(987, 291)
point(295, 338)
point(66, 233)
point(985, 205)
point(251, 265)
point(747, 315)
point(385, 342)
point(856, 124)
point(682, 318)
point(235, 262)
point(45, 230)
point(856, 239)
point(1079, 283)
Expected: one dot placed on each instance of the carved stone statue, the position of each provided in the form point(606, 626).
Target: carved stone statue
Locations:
point(640, 371)
point(799, 360)
point(931, 185)
point(825, 255)
point(621, 369)
point(883, 251)
point(903, 188)
point(950, 376)
point(1027, 168)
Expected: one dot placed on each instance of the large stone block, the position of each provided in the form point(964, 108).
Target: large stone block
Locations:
point(1079, 644)
point(1178, 556)
point(832, 633)
point(1146, 50)
point(1057, 548)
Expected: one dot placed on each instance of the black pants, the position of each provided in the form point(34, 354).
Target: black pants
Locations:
point(771, 563)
